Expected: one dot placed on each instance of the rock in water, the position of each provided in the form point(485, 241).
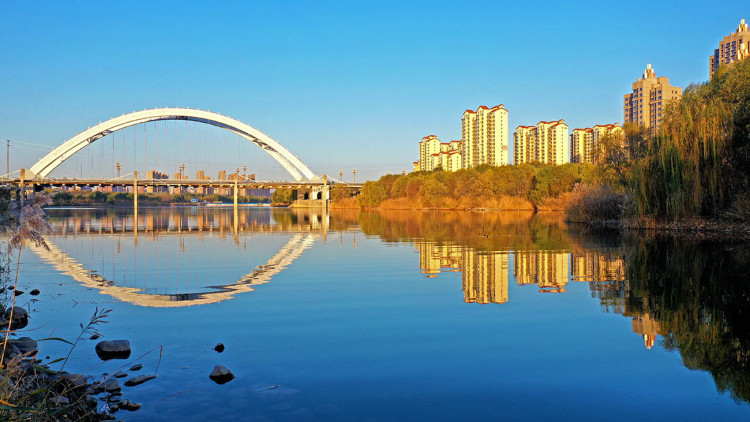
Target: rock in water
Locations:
point(136, 367)
point(20, 317)
point(221, 375)
point(120, 374)
point(129, 405)
point(34, 292)
point(140, 379)
point(113, 349)
point(219, 347)
point(18, 292)
point(112, 385)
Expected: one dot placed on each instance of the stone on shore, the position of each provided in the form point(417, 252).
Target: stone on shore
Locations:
point(221, 375)
point(20, 318)
point(113, 349)
point(25, 344)
point(140, 379)
point(59, 401)
point(74, 381)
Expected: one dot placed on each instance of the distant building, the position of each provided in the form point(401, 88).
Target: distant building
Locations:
point(484, 137)
point(580, 140)
point(552, 142)
point(584, 143)
point(434, 154)
point(524, 145)
point(732, 48)
point(649, 97)
point(547, 142)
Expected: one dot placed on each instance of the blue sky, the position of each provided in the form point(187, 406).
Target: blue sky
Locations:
point(341, 84)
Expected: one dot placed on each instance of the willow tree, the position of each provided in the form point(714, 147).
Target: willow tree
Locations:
point(697, 163)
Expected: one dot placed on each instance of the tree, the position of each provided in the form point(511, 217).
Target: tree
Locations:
point(283, 196)
point(371, 195)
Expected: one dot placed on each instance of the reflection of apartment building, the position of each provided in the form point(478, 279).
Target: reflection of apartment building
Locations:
point(485, 277)
point(647, 327)
point(436, 258)
point(597, 266)
point(584, 143)
point(547, 269)
point(732, 48)
point(547, 142)
point(484, 136)
point(649, 97)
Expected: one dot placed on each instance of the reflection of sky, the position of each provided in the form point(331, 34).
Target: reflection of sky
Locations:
point(354, 333)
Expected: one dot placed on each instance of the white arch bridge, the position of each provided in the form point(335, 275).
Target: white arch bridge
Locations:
point(296, 168)
point(37, 176)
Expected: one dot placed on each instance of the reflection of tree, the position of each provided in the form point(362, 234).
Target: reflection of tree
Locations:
point(483, 231)
point(700, 294)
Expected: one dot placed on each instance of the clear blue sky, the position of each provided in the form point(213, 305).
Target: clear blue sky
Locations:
point(347, 84)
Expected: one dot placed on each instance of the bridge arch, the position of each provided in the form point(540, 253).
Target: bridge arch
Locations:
point(299, 171)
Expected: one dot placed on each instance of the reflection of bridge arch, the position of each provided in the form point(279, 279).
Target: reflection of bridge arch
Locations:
point(67, 149)
point(260, 275)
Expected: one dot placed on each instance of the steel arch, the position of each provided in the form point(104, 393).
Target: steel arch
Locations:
point(299, 171)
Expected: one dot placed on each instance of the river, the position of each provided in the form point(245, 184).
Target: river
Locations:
point(358, 316)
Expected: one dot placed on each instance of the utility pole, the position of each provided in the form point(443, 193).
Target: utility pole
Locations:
point(119, 166)
point(354, 175)
point(7, 159)
point(182, 169)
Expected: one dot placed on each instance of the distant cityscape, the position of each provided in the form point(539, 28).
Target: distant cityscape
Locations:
point(484, 131)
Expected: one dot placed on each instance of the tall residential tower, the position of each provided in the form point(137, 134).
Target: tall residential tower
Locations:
point(484, 136)
point(649, 97)
point(732, 48)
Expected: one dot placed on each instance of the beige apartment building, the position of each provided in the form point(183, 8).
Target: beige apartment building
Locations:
point(547, 142)
point(732, 48)
point(484, 136)
point(434, 154)
point(584, 142)
point(524, 144)
point(649, 97)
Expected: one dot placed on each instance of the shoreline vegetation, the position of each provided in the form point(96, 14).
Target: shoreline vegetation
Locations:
point(693, 175)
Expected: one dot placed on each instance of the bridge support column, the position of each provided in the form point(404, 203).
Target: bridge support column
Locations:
point(135, 206)
point(22, 185)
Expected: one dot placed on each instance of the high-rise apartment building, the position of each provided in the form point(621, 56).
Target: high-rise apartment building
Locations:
point(580, 139)
point(547, 142)
point(584, 143)
point(484, 136)
point(524, 144)
point(434, 154)
point(649, 97)
point(732, 48)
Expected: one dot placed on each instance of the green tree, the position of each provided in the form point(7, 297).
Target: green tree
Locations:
point(371, 195)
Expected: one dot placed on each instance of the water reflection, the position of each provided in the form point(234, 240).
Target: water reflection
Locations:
point(113, 229)
point(689, 295)
point(694, 293)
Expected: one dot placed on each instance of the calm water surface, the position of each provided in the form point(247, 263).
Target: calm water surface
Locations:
point(399, 316)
